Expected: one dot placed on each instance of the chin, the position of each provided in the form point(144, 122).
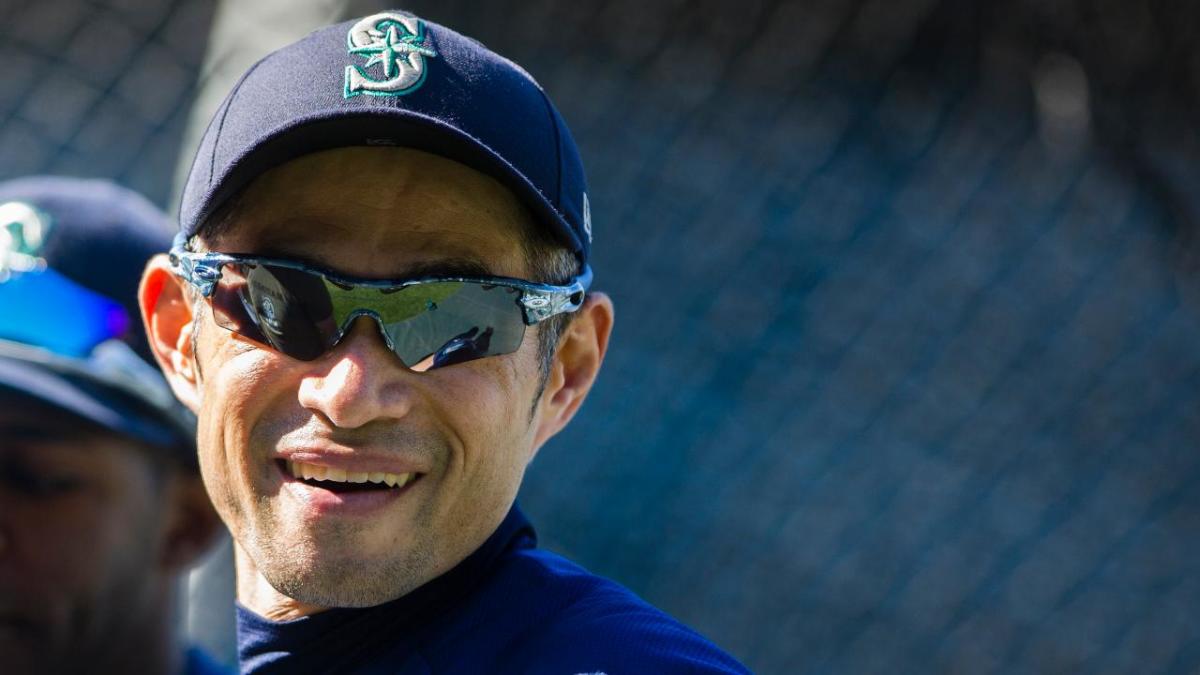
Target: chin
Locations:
point(348, 582)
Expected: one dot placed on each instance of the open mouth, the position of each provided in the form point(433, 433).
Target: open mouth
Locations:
point(340, 480)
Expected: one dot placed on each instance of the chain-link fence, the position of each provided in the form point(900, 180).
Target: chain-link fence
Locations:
point(906, 374)
point(99, 88)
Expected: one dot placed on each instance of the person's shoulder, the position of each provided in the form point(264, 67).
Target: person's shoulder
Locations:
point(589, 624)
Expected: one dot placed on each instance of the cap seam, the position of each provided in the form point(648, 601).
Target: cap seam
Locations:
point(212, 157)
point(558, 200)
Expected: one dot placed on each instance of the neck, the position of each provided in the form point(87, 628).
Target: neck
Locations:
point(259, 596)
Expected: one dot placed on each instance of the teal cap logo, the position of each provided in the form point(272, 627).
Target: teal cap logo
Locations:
point(23, 231)
point(395, 47)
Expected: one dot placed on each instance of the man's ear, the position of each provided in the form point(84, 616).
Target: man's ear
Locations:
point(191, 523)
point(167, 317)
point(575, 367)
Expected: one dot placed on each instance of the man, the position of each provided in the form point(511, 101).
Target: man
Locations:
point(376, 307)
point(101, 504)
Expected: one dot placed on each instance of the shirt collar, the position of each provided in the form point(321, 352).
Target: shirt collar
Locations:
point(263, 642)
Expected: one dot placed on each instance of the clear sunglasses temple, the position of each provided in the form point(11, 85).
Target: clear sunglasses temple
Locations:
point(540, 305)
point(202, 271)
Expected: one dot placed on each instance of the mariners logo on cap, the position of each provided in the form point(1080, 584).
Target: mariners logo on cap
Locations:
point(23, 231)
point(394, 46)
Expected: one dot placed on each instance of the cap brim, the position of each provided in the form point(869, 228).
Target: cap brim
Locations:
point(108, 408)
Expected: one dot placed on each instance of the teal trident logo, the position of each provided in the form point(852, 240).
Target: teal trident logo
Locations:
point(395, 42)
point(23, 231)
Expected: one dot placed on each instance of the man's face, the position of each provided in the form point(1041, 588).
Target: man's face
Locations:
point(79, 522)
point(464, 432)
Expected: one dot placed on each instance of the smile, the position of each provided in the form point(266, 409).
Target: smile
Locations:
point(341, 480)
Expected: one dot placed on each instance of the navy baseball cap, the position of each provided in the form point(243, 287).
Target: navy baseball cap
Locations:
point(72, 252)
point(392, 79)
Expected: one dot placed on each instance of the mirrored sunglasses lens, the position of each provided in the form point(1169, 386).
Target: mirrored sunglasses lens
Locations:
point(443, 323)
point(286, 309)
point(430, 325)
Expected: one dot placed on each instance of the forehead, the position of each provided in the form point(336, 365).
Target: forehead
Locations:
point(379, 211)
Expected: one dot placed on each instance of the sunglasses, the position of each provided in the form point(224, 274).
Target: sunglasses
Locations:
point(428, 323)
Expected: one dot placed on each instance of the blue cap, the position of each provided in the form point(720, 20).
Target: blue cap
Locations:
point(72, 252)
point(392, 79)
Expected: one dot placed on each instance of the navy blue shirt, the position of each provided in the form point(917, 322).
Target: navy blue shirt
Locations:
point(508, 608)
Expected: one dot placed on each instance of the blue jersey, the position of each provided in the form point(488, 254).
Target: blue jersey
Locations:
point(507, 608)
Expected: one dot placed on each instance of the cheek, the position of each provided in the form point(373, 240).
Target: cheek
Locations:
point(488, 404)
point(73, 547)
point(241, 384)
point(59, 538)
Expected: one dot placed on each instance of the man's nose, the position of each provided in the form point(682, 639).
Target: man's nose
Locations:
point(359, 381)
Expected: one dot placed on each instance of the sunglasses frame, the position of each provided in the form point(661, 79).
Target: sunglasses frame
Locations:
point(538, 302)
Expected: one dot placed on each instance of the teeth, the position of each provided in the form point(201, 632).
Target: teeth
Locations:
point(315, 472)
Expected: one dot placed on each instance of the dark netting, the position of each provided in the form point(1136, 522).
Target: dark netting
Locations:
point(905, 374)
point(99, 89)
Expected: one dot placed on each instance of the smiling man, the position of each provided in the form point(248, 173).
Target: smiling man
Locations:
point(378, 308)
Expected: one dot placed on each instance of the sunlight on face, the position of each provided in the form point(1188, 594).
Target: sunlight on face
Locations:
point(462, 433)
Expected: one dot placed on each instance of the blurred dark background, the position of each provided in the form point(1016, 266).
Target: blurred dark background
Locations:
point(906, 374)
